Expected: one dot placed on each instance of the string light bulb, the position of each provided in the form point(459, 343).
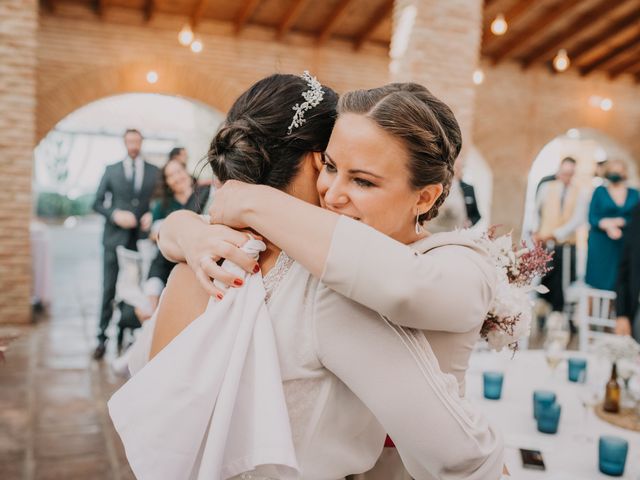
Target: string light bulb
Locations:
point(185, 37)
point(499, 26)
point(478, 76)
point(152, 76)
point(196, 46)
point(561, 61)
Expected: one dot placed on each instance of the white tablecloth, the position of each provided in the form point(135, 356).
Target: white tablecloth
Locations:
point(568, 455)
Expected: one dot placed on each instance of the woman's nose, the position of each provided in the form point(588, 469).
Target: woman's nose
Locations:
point(335, 195)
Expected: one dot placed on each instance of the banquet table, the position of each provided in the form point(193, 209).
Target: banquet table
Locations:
point(571, 453)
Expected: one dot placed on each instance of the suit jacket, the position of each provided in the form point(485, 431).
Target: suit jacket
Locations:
point(628, 285)
point(123, 197)
point(473, 214)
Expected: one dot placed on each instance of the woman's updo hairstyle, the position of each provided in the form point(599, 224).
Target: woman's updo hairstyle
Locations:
point(253, 144)
point(424, 124)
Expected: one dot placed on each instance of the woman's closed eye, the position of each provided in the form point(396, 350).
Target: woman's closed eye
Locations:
point(361, 182)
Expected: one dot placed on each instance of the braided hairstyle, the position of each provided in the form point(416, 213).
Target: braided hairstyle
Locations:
point(424, 124)
point(253, 146)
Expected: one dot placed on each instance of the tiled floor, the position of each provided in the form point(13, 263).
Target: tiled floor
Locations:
point(53, 419)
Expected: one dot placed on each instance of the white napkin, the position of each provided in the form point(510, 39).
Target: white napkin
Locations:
point(211, 405)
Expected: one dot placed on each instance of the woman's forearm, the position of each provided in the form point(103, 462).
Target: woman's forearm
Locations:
point(302, 230)
point(173, 228)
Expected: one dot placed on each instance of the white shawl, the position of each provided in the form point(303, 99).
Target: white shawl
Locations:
point(211, 405)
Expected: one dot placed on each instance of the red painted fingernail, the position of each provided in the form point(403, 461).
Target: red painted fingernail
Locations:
point(238, 282)
point(256, 269)
point(219, 296)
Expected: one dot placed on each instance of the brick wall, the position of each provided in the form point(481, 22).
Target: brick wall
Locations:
point(18, 25)
point(519, 111)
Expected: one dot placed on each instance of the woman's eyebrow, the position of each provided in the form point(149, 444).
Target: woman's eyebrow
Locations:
point(355, 170)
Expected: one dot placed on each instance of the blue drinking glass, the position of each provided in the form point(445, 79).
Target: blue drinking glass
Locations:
point(541, 399)
point(549, 417)
point(492, 385)
point(612, 455)
point(577, 369)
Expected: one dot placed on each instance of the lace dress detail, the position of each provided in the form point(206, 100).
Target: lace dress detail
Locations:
point(273, 278)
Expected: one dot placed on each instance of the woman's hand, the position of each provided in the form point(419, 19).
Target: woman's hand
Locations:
point(623, 326)
point(231, 202)
point(204, 249)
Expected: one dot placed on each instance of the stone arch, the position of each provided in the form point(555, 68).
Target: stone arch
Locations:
point(87, 85)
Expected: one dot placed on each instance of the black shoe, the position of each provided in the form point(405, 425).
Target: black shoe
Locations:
point(99, 352)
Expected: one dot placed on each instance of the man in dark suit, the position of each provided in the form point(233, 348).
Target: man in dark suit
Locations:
point(123, 199)
point(628, 286)
point(473, 214)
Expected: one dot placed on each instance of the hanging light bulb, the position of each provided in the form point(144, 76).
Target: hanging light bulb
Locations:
point(499, 25)
point(478, 76)
point(561, 61)
point(606, 104)
point(152, 76)
point(185, 37)
point(196, 46)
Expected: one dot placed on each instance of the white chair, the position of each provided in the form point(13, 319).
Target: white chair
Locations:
point(596, 311)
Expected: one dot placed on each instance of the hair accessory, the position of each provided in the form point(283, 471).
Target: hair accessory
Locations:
point(312, 98)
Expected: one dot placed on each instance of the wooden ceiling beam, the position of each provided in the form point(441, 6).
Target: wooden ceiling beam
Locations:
point(290, 18)
point(246, 11)
point(539, 24)
point(553, 43)
point(334, 19)
point(511, 15)
point(198, 12)
point(610, 55)
point(149, 10)
point(49, 5)
point(99, 6)
point(620, 24)
point(378, 17)
point(630, 65)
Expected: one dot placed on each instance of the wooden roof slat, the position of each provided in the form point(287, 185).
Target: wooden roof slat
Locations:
point(511, 15)
point(596, 40)
point(611, 54)
point(378, 17)
point(555, 42)
point(49, 5)
point(198, 11)
point(245, 14)
point(631, 65)
point(550, 15)
point(333, 21)
point(149, 10)
point(289, 19)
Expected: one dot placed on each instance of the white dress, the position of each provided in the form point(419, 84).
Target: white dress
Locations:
point(350, 377)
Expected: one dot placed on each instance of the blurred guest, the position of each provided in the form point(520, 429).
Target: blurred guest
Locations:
point(599, 174)
point(179, 192)
point(628, 284)
point(179, 154)
point(123, 198)
point(560, 211)
point(460, 209)
point(609, 212)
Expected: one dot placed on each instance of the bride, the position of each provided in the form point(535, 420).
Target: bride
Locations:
point(342, 364)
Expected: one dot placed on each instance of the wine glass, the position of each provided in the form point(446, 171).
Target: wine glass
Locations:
point(589, 394)
point(557, 340)
point(626, 369)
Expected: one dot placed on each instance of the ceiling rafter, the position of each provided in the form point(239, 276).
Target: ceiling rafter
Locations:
point(99, 6)
point(247, 9)
point(149, 10)
point(378, 17)
point(511, 15)
point(198, 12)
point(556, 41)
point(611, 54)
point(334, 19)
point(550, 15)
point(290, 18)
point(620, 24)
point(49, 5)
point(630, 65)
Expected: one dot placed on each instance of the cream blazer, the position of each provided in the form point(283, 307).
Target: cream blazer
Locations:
point(442, 285)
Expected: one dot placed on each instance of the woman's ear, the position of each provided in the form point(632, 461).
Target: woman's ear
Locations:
point(428, 196)
point(317, 160)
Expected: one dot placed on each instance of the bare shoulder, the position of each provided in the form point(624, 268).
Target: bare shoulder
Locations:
point(183, 301)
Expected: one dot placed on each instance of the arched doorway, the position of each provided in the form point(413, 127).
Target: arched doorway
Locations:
point(68, 164)
point(588, 147)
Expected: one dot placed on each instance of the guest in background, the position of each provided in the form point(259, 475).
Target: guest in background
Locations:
point(460, 209)
point(179, 192)
point(609, 213)
point(560, 211)
point(179, 154)
point(628, 284)
point(123, 198)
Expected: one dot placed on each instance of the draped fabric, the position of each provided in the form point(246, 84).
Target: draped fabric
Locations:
point(210, 405)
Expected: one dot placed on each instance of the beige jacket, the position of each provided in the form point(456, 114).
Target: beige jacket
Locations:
point(443, 285)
